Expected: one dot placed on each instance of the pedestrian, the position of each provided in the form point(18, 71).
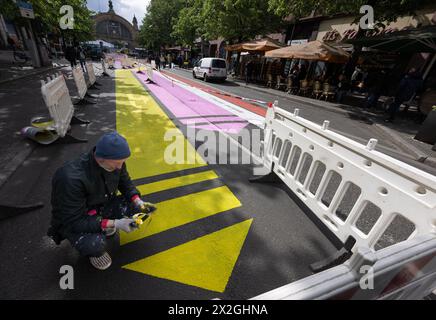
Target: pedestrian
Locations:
point(82, 58)
point(11, 43)
point(71, 55)
point(157, 61)
point(248, 71)
point(376, 84)
point(343, 86)
point(85, 206)
point(409, 86)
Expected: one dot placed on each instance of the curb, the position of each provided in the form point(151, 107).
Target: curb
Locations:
point(419, 155)
point(39, 71)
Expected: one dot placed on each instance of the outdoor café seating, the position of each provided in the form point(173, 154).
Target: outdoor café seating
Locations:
point(280, 82)
point(304, 87)
point(317, 90)
point(291, 88)
point(328, 91)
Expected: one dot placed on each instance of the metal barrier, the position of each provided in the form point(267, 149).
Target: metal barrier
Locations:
point(58, 101)
point(403, 271)
point(354, 190)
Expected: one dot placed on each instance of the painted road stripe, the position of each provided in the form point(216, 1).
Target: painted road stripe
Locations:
point(176, 182)
point(183, 103)
point(144, 124)
point(179, 211)
point(206, 262)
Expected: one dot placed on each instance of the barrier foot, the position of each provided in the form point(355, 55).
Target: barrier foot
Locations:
point(93, 87)
point(339, 257)
point(76, 120)
point(91, 96)
point(268, 178)
point(150, 81)
point(72, 139)
point(7, 211)
point(84, 101)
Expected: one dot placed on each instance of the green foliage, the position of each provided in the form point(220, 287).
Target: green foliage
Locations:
point(157, 24)
point(48, 16)
point(384, 10)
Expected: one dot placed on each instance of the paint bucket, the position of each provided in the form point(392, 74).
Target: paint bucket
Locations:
point(42, 122)
point(39, 135)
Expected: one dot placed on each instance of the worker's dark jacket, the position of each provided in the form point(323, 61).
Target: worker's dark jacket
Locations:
point(80, 186)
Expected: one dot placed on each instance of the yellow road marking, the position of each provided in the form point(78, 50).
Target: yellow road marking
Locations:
point(206, 262)
point(179, 211)
point(143, 123)
point(176, 182)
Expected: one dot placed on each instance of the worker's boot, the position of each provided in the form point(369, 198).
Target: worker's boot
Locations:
point(109, 232)
point(101, 263)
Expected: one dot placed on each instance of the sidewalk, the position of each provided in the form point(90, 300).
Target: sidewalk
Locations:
point(20, 101)
point(402, 131)
point(11, 70)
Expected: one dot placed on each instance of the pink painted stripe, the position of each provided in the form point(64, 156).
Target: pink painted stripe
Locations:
point(211, 119)
point(183, 103)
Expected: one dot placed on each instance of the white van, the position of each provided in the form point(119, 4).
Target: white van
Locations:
point(210, 68)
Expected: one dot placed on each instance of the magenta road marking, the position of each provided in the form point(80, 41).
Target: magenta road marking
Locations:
point(211, 120)
point(183, 104)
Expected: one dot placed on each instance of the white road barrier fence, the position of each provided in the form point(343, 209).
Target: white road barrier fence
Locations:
point(57, 99)
point(388, 207)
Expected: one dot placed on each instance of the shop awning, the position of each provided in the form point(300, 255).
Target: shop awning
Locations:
point(256, 45)
point(314, 50)
point(411, 40)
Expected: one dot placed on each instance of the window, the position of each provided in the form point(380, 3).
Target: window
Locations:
point(218, 64)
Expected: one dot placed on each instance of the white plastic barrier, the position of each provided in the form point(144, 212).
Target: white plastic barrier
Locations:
point(353, 189)
point(403, 271)
point(91, 74)
point(79, 79)
point(57, 99)
point(149, 69)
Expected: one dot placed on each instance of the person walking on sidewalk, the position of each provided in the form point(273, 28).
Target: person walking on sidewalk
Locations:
point(82, 58)
point(71, 55)
point(409, 86)
point(85, 205)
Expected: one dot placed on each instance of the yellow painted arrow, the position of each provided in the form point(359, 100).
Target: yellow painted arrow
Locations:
point(206, 262)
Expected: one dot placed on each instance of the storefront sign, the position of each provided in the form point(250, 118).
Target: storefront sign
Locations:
point(26, 9)
point(349, 34)
point(301, 41)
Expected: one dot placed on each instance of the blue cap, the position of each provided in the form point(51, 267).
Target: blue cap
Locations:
point(112, 146)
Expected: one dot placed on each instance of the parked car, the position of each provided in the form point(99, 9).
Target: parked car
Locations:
point(210, 69)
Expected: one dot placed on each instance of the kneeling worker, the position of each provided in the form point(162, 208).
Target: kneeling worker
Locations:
point(85, 207)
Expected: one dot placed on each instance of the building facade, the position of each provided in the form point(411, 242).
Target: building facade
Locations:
point(115, 29)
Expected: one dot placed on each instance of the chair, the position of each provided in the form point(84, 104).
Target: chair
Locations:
point(280, 84)
point(328, 91)
point(304, 87)
point(317, 90)
point(270, 82)
point(291, 88)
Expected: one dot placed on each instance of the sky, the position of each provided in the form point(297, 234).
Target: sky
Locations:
point(124, 8)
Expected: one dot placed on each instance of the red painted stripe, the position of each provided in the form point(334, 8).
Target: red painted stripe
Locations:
point(237, 101)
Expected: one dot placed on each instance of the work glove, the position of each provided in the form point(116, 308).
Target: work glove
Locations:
point(125, 224)
point(145, 207)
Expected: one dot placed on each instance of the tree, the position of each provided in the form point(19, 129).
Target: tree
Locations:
point(187, 27)
point(385, 11)
point(237, 20)
point(157, 24)
point(47, 17)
